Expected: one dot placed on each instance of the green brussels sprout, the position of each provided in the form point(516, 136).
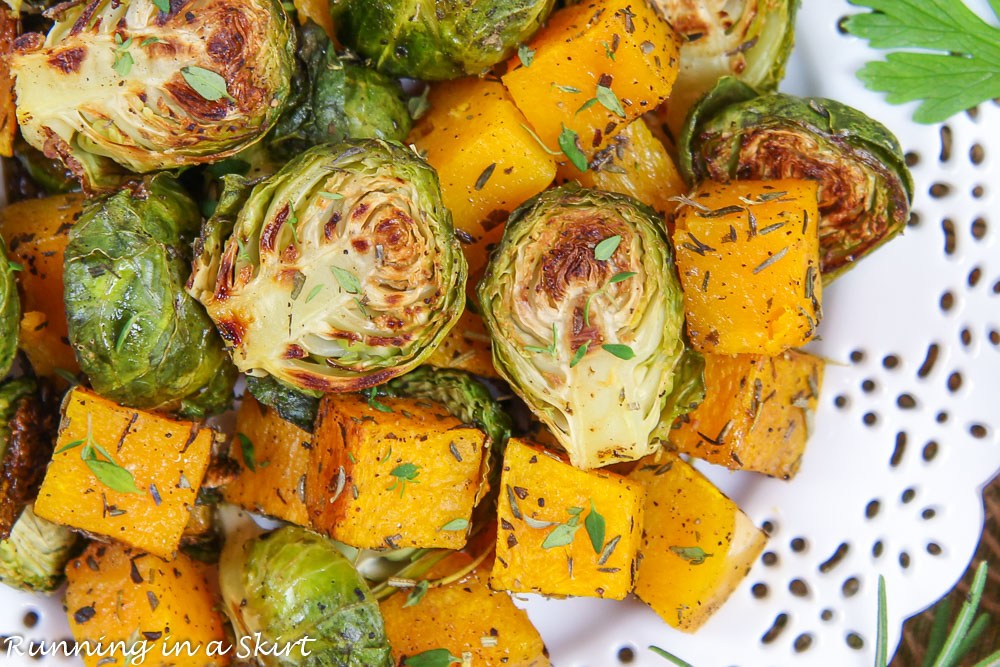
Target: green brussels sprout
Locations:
point(437, 39)
point(749, 39)
point(583, 304)
point(292, 405)
point(865, 187)
point(466, 398)
point(342, 270)
point(338, 98)
point(48, 174)
point(28, 423)
point(687, 393)
point(119, 83)
point(138, 336)
point(10, 311)
point(293, 583)
point(33, 557)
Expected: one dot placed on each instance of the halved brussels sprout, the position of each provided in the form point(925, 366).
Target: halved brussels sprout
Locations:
point(437, 39)
point(583, 304)
point(865, 187)
point(292, 404)
point(28, 423)
point(338, 98)
point(342, 271)
point(120, 81)
point(10, 311)
point(138, 336)
point(749, 39)
point(32, 558)
point(292, 584)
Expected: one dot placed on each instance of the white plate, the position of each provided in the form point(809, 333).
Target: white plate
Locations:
point(881, 319)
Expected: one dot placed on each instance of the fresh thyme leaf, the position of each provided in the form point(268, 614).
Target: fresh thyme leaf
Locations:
point(243, 253)
point(149, 40)
point(418, 106)
point(123, 62)
point(608, 53)
point(882, 636)
point(586, 105)
point(438, 657)
point(526, 55)
point(417, 594)
point(621, 351)
point(112, 475)
point(580, 353)
point(560, 536)
point(539, 140)
point(551, 349)
point(346, 280)
point(206, 83)
point(455, 525)
point(594, 524)
point(404, 472)
point(485, 177)
point(567, 89)
point(14, 267)
point(610, 101)
point(331, 195)
point(372, 402)
point(670, 657)
point(568, 140)
point(69, 446)
point(606, 248)
point(618, 277)
point(246, 448)
point(693, 555)
point(162, 5)
point(313, 292)
point(964, 72)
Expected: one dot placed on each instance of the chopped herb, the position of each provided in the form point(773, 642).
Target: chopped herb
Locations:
point(485, 176)
point(293, 223)
point(537, 139)
point(206, 83)
point(595, 528)
point(387, 455)
point(610, 101)
point(586, 105)
point(331, 195)
point(455, 525)
point(550, 349)
point(123, 59)
point(606, 248)
point(567, 89)
point(580, 353)
point(560, 536)
point(13, 267)
point(419, 105)
point(361, 307)
point(586, 308)
point(670, 657)
point(162, 5)
point(771, 260)
point(246, 448)
point(417, 594)
point(313, 292)
point(621, 351)
point(526, 55)
point(243, 253)
point(438, 657)
point(609, 549)
point(372, 402)
point(624, 275)
point(608, 53)
point(404, 472)
point(771, 228)
point(568, 142)
point(704, 283)
point(346, 280)
point(149, 40)
point(515, 510)
point(693, 555)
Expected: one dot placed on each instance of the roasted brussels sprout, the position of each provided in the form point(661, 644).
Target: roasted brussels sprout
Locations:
point(583, 304)
point(28, 422)
point(120, 81)
point(32, 558)
point(292, 584)
point(865, 188)
point(342, 271)
point(48, 174)
point(338, 98)
point(10, 311)
point(437, 39)
point(465, 397)
point(292, 405)
point(749, 39)
point(141, 340)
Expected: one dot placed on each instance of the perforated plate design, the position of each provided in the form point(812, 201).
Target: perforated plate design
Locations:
point(906, 433)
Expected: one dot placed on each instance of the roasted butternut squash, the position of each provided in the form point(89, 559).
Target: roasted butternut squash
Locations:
point(697, 545)
point(392, 472)
point(123, 473)
point(467, 347)
point(9, 24)
point(621, 46)
point(274, 458)
point(748, 258)
point(464, 617)
point(36, 231)
point(633, 163)
point(755, 415)
point(564, 531)
point(487, 161)
point(118, 596)
point(317, 11)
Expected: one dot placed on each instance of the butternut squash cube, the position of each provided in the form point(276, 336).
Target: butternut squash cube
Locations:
point(144, 494)
point(564, 531)
point(273, 481)
point(621, 45)
point(488, 163)
point(395, 472)
point(464, 616)
point(697, 544)
point(118, 596)
point(467, 347)
point(37, 231)
point(633, 163)
point(748, 258)
point(755, 415)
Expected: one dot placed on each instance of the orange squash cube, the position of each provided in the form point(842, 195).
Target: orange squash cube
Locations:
point(622, 45)
point(748, 259)
point(464, 616)
point(163, 460)
point(118, 596)
point(488, 163)
point(755, 415)
point(396, 472)
point(467, 347)
point(697, 544)
point(547, 540)
point(276, 482)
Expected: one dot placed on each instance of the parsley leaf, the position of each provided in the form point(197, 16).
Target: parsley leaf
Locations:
point(568, 142)
point(526, 55)
point(965, 73)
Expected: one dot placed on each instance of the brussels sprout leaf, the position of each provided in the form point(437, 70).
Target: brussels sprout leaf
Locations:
point(438, 657)
point(606, 248)
point(455, 525)
point(610, 101)
point(670, 657)
point(580, 353)
point(693, 555)
point(620, 351)
point(206, 83)
point(595, 528)
point(526, 55)
point(246, 448)
point(162, 5)
point(568, 142)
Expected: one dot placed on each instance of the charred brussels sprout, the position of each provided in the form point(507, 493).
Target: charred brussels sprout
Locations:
point(437, 39)
point(119, 83)
point(292, 405)
point(865, 188)
point(141, 340)
point(583, 304)
point(749, 39)
point(10, 311)
point(293, 583)
point(28, 422)
point(32, 558)
point(338, 98)
point(342, 270)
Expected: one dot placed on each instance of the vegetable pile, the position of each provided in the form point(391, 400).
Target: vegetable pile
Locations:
point(484, 274)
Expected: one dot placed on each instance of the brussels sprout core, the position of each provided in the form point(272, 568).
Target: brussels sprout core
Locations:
point(584, 307)
point(34, 555)
point(342, 271)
